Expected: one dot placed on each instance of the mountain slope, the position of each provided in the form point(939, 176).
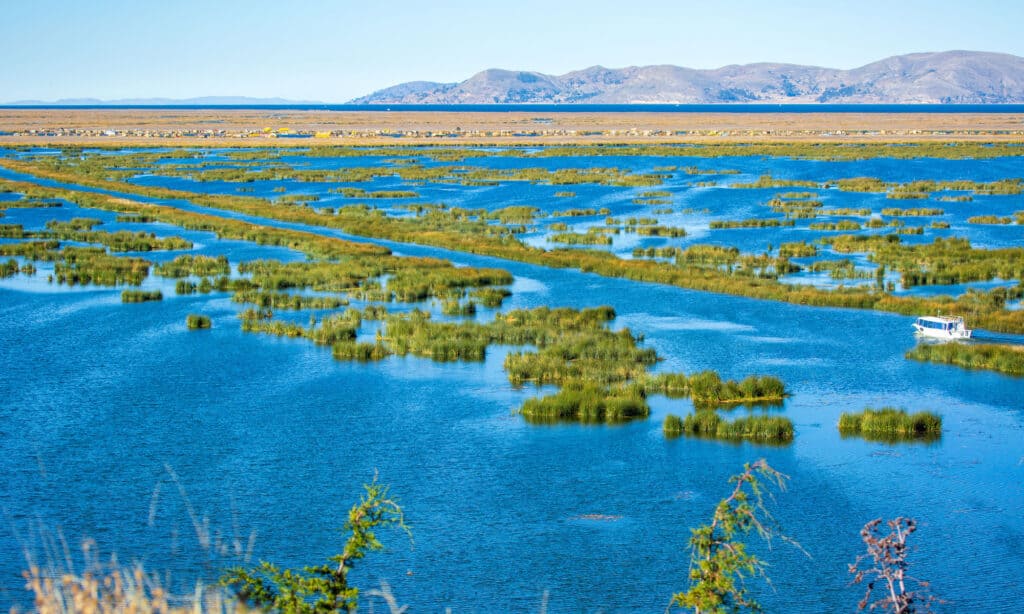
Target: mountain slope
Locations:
point(947, 77)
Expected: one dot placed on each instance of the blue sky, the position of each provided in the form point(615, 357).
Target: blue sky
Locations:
point(336, 50)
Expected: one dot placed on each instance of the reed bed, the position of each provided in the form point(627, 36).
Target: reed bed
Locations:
point(709, 424)
point(196, 321)
point(891, 425)
point(1008, 359)
point(141, 296)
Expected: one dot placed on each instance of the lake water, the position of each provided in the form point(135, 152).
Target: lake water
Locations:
point(271, 438)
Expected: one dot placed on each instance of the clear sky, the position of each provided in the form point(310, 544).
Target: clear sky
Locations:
point(333, 51)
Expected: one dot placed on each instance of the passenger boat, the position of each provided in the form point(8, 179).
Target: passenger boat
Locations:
point(942, 327)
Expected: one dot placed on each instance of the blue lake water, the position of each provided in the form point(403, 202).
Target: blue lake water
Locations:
point(271, 438)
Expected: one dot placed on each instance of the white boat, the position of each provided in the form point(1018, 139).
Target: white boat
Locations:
point(942, 327)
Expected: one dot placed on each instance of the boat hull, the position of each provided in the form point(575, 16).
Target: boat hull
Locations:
point(947, 335)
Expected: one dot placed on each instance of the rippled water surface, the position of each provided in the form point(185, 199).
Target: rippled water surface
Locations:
point(271, 438)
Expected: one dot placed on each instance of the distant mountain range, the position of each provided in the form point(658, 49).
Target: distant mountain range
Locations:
point(950, 77)
point(158, 102)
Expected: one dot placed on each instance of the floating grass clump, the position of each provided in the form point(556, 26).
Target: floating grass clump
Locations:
point(1008, 359)
point(490, 297)
point(840, 225)
point(891, 425)
point(361, 351)
point(752, 223)
point(195, 265)
point(759, 428)
point(458, 308)
point(672, 426)
point(708, 389)
point(915, 212)
point(576, 238)
point(285, 300)
point(12, 231)
point(9, 268)
point(195, 321)
point(588, 403)
point(141, 296)
point(989, 219)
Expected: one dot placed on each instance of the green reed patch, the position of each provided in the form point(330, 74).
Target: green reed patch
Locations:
point(890, 425)
point(141, 296)
point(709, 424)
point(195, 321)
point(1008, 359)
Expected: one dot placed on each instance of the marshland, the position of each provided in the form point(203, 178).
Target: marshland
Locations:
point(438, 337)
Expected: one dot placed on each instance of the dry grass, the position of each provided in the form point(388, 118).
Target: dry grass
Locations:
point(189, 127)
point(115, 590)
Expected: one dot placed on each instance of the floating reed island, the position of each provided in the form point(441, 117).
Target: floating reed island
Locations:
point(710, 425)
point(1002, 358)
point(891, 425)
point(196, 321)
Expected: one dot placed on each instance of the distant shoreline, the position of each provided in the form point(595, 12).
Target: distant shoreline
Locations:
point(523, 126)
point(553, 108)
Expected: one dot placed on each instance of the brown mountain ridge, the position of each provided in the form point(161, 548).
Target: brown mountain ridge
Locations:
point(949, 77)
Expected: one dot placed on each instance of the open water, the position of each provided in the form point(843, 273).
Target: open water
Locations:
point(270, 439)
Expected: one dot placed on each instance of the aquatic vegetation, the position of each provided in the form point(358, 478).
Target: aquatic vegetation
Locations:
point(195, 321)
point(12, 231)
point(360, 351)
point(490, 297)
point(798, 249)
point(915, 212)
point(767, 181)
point(840, 225)
point(672, 426)
point(196, 265)
point(587, 403)
point(862, 184)
point(81, 230)
point(752, 223)
point(455, 307)
point(518, 214)
point(9, 268)
point(725, 278)
point(845, 269)
point(565, 194)
point(756, 428)
point(658, 231)
point(708, 389)
point(89, 265)
point(284, 300)
point(1008, 359)
point(989, 219)
point(656, 252)
point(331, 329)
point(891, 425)
point(134, 218)
point(574, 213)
point(578, 238)
point(850, 211)
point(141, 296)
